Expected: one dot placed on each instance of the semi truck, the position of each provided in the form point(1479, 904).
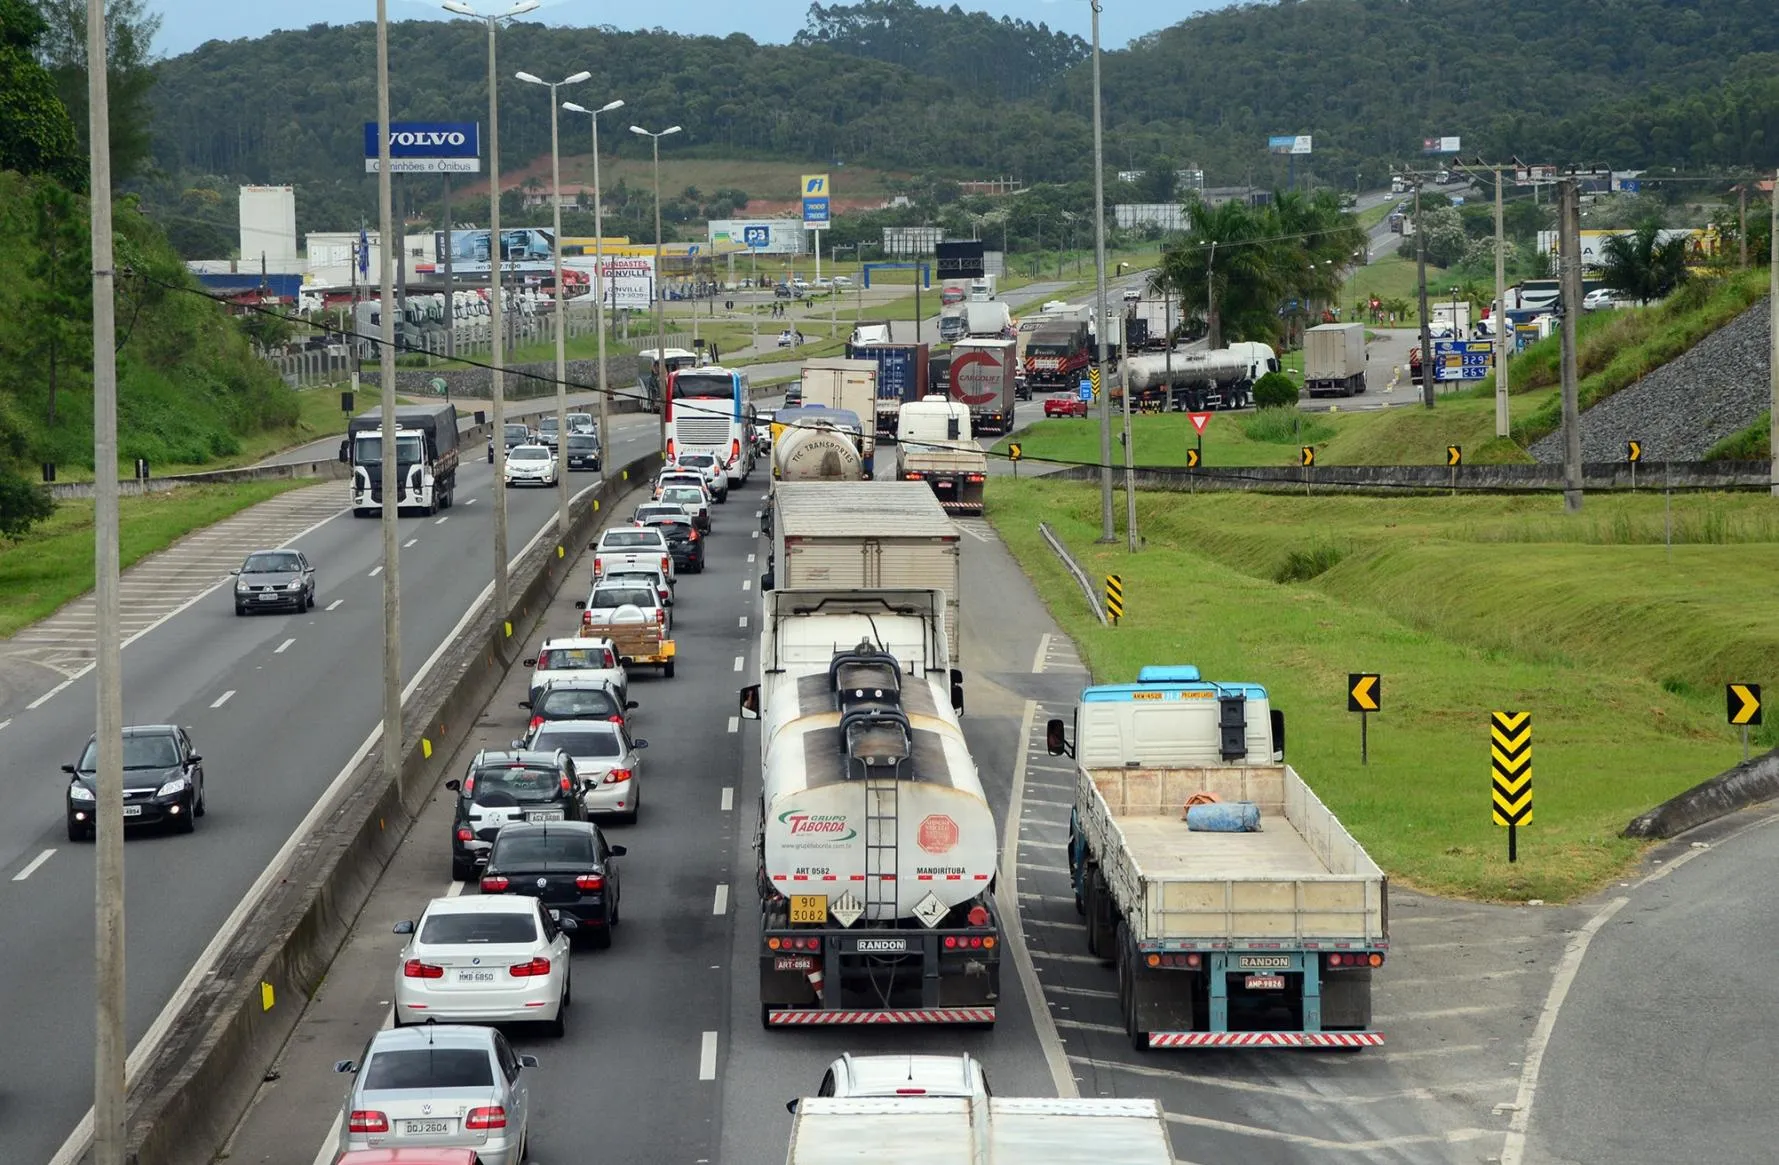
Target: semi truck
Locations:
point(988, 319)
point(877, 848)
point(934, 445)
point(961, 1130)
point(1334, 359)
point(1057, 355)
point(813, 443)
point(1237, 909)
point(869, 535)
point(1196, 381)
point(902, 376)
point(982, 380)
point(426, 458)
point(848, 384)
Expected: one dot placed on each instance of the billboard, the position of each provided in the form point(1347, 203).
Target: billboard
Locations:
point(960, 260)
point(528, 250)
point(629, 279)
point(815, 201)
point(1280, 143)
point(907, 242)
point(426, 147)
point(1439, 145)
point(764, 236)
point(268, 227)
point(1701, 244)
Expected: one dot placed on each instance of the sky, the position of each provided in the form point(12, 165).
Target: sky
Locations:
point(185, 24)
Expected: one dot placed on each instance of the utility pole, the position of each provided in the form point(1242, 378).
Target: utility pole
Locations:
point(1213, 336)
point(1426, 321)
point(599, 283)
point(1569, 256)
point(1742, 220)
point(660, 301)
point(1773, 335)
point(503, 602)
point(110, 1134)
point(390, 512)
point(1107, 531)
point(450, 282)
point(1503, 422)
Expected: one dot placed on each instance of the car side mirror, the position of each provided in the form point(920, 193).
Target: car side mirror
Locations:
point(235, 571)
point(580, 604)
point(453, 784)
point(639, 744)
point(195, 759)
point(525, 704)
point(593, 545)
point(405, 926)
point(531, 662)
point(527, 1061)
point(766, 580)
point(750, 702)
point(619, 851)
point(345, 452)
point(790, 1106)
point(345, 1066)
point(588, 785)
point(629, 705)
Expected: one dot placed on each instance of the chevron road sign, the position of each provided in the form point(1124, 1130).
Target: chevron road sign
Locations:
point(1510, 759)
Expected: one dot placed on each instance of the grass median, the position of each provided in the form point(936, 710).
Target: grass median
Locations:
point(54, 562)
point(1615, 642)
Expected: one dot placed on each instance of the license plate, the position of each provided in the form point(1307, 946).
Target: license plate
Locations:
point(431, 1128)
point(132, 810)
point(809, 908)
point(544, 815)
point(1265, 983)
point(475, 975)
point(794, 963)
point(267, 598)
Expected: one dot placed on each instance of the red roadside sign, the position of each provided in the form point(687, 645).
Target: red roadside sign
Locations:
point(1199, 421)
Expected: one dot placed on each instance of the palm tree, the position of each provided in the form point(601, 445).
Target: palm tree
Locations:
point(1249, 274)
point(1641, 265)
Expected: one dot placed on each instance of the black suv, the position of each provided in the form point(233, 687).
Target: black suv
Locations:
point(684, 543)
point(506, 786)
point(163, 781)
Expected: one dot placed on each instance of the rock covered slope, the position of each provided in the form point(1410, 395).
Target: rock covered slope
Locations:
point(1686, 406)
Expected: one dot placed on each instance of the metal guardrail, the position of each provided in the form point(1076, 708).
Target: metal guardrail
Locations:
point(1074, 568)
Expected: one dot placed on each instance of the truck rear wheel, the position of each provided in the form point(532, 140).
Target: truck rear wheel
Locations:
point(1127, 989)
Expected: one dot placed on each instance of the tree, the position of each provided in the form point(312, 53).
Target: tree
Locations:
point(38, 136)
point(130, 73)
point(1249, 272)
point(1275, 390)
point(1159, 178)
point(1643, 265)
point(59, 291)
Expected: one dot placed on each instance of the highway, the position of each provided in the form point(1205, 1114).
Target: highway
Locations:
point(276, 705)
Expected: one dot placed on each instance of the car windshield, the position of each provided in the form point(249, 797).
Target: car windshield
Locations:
point(578, 742)
point(579, 421)
point(574, 703)
point(673, 529)
point(140, 752)
point(506, 784)
point(606, 598)
point(426, 1068)
point(574, 658)
point(653, 513)
point(505, 926)
point(547, 425)
point(527, 453)
point(269, 564)
point(369, 450)
point(683, 495)
point(628, 538)
point(517, 432)
point(543, 847)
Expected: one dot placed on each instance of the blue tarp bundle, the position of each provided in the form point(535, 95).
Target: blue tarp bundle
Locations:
point(1224, 817)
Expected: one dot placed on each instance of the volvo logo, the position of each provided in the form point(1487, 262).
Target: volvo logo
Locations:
point(431, 137)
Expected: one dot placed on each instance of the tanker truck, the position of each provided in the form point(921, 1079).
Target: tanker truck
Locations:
point(877, 847)
point(819, 444)
point(1194, 381)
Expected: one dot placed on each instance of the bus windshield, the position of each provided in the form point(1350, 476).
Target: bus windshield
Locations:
point(690, 385)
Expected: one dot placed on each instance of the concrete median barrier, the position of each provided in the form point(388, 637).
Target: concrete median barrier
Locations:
point(192, 1089)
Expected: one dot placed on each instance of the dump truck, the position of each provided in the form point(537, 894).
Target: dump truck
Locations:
point(1238, 910)
point(1334, 359)
point(933, 444)
point(426, 458)
point(877, 847)
point(961, 1130)
point(982, 380)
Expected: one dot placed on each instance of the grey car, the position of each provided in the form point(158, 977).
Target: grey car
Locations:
point(439, 1086)
point(516, 435)
point(272, 579)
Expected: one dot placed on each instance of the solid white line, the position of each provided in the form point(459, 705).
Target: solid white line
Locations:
point(747, 584)
point(1083, 1025)
point(740, 661)
point(409, 543)
point(279, 650)
point(728, 798)
point(721, 905)
point(1449, 1138)
point(45, 698)
point(334, 604)
point(223, 699)
point(1043, 650)
point(1086, 992)
point(443, 520)
point(743, 623)
point(707, 1057)
point(4, 723)
point(469, 501)
point(375, 571)
point(31, 868)
point(1013, 934)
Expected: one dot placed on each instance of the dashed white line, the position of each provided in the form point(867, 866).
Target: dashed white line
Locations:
point(279, 650)
point(31, 867)
point(721, 905)
point(707, 1057)
point(469, 501)
point(334, 604)
point(734, 724)
point(375, 571)
point(409, 543)
point(223, 699)
point(740, 662)
point(743, 623)
point(747, 584)
point(1061, 957)
point(750, 558)
point(755, 534)
point(443, 520)
point(4, 723)
point(728, 798)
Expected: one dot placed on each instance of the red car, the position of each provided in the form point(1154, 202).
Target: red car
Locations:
point(1065, 406)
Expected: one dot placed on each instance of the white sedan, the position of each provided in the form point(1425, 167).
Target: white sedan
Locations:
point(531, 465)
point(493, 959)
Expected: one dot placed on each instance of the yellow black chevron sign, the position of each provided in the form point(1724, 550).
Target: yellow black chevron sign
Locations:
point(1510, 756)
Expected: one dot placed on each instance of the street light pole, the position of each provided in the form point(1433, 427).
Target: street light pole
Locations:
point(660, 303)
point(390, 513)
point(599, 275)
point(496, 285)
point(557, 299)
point(1107, 531)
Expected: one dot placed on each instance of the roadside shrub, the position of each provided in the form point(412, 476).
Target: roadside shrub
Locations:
point(1284, 425)
point(1274, 390)
point(1304, 565)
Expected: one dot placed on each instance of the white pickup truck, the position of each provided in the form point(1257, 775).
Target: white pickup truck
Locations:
point(628, 548)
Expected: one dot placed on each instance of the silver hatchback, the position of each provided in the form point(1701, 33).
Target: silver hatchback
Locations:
point(439, 1086)
point(605, 759)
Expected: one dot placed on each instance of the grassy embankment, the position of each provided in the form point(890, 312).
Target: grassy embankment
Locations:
point(54, 562)
point(1617, 646)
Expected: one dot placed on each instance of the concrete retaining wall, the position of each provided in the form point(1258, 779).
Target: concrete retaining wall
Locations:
point(189, 1096)
point(1393, 479)
point(1747, 784)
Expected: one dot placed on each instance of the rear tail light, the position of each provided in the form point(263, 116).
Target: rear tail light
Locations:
point(415, 969)
point(486, 1118)
point(794, 943)
point(1373, 959)
point(661, 616)
point(615, 719)
point(973, 477)
point(734, 450)
point(911, 1092)
point(536, 721)
point(666, 562)
point(567, 785)
point(537, 966)
point(464, 833)
point(494, 884)
point(367, 1120)
point(589, 882)
point(693, 537)
point(617, 776)
point(586, 619)
point(670, 449)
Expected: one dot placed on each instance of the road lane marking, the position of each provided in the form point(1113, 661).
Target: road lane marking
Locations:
point(443, 520)
point(728, 798)
point(469, 501)
point(1086, 993)
point(707, 1057)
point(279, 650)
point(1083, 1025)
point(1406, 1140)
point(743, 623)
point(1061, 957)
point(750, 558)
point(755, 534)
point(721, 905)
point(223, 699)
point(31, 868)
point(4, 723)
point(376, 571)
point(409, 543)
point(334, 604)
point(740, 662)
point(734, 724)
point(747, 584)
point(1043, 651)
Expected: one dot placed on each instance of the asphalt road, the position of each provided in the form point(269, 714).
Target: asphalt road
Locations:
point(277, 705)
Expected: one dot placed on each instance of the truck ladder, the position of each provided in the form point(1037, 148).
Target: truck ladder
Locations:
point(882, 847)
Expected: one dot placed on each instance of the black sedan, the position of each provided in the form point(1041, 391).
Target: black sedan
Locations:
point(163, 781)
point(583, 451)
point(684, 542)
point(273, 579)
point(516, 435)
point(568, 865)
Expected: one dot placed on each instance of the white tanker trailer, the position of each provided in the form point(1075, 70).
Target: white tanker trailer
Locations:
point(1220, 379)
point(877, 845)
point(818, 444)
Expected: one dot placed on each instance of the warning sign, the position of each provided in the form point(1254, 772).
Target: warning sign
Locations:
point(938, 834)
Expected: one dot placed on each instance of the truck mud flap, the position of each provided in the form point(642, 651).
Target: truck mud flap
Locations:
point(1266, 1039)
point(813, 1017)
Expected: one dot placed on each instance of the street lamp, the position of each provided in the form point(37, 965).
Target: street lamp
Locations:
point(660, 304)
point(599, 272)
point(502, 600)
point(557, 298)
